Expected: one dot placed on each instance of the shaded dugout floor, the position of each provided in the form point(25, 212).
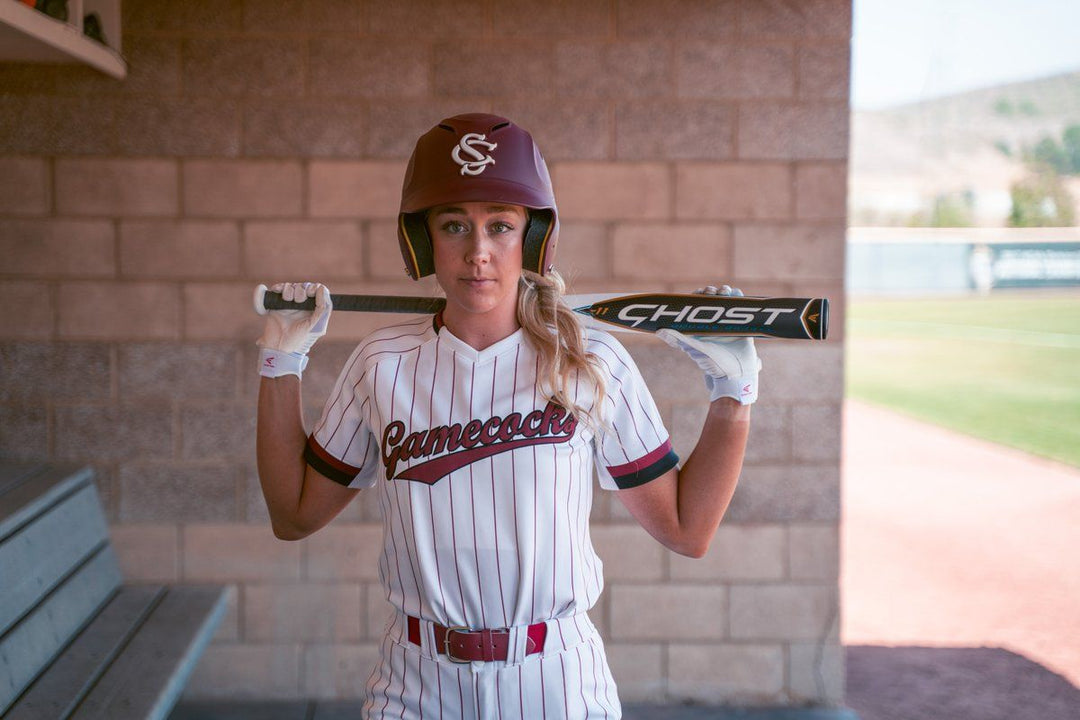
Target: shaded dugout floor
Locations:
point(960, 575)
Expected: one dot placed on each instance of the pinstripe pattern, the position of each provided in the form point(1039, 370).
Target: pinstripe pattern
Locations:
point(499, 541)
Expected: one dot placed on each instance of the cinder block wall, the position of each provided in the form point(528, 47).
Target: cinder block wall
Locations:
point(690, 142)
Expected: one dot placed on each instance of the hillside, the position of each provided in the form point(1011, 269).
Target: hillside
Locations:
point(903, 157)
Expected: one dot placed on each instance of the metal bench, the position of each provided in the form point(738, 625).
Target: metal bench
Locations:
point(74, 641)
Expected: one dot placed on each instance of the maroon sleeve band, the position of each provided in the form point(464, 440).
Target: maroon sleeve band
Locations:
point(644, 469)
point(327, 464)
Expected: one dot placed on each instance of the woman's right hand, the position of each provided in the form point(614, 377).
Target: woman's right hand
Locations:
point(289, 334)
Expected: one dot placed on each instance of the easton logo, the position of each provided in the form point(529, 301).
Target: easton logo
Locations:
point(475, 440)
point(474, 160)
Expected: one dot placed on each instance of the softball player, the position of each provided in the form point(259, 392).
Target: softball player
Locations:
point(480, 430)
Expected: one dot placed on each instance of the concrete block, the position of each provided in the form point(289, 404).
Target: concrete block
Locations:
point(147, 553)
point(229, 629)
point(426, 18)
point(118, 311)
point(667, 612)
point(777, 493)
point(237, 553)
point(178, 127)
point(816, 673)
point(824, 71)
point(628, 553)
point(631, 69)
point(378, 611)
point(21, 79)
point(24, 431)
point(683, 251)
point(159, 492)
point(493, 69)
point(686, 421)
point(783, 612)
point(770, 434)
point(55, 371)
point(217, 432)
point(326, 361)
point(738, 552)
point(817, 431)
point(30, 310)
point(247, 672)
point(343, 67)
point(30, 120)
point(302, 250)
point(802, 374)
point(344, 552)
point(383, 256)
point(153, 68)
point(727, 673)
point(338, 670)
point(810, 19)
point(394, 124)
point(308, 128)
point(356, 189)
point(561, 18)
point(113, 432)
point(193, 16)
point(245, 66)
point(192, 371)
point(242, 188)
point(727, 70)
point(584, 252)
point(303, 15)
point(172, 249)
point(301, 612)
point(679, 130)
point(603, 191)
point(733, 191)
point(814, 551)
point(638, 669)
point(220, 311)
point(828, 18)
point(678, 19)
point(788, 131)
point(789, 252)
point(821, 191)
point(25, 185)
point(578, 131)
point(102, 186)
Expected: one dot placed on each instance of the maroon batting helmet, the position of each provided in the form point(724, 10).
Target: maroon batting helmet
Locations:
point(477, 157)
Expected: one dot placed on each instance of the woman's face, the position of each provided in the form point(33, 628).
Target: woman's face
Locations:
point(477, 251)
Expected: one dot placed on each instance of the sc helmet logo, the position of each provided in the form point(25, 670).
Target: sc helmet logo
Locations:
point(474, 161)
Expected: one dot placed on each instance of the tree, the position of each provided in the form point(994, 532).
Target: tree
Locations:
point(1041, 200)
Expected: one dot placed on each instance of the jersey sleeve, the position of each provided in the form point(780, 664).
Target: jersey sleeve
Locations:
point(633, 446)
point(343, 447)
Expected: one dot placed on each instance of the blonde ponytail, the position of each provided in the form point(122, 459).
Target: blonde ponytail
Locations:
point(559, 339)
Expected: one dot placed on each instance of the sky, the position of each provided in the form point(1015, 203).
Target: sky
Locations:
point(909, 50)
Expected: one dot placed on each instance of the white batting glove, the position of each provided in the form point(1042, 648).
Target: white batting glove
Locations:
point(730, 364)
point(289, 334)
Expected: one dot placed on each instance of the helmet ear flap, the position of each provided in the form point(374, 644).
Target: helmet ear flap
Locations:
point(416, 245)
point(538, 250)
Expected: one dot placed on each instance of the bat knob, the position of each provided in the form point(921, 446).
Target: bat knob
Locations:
point(260, 299)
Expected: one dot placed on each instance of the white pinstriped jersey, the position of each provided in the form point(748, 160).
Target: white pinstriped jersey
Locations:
point(485, 486)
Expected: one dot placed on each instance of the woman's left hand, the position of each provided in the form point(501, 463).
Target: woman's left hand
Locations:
point(730, 364)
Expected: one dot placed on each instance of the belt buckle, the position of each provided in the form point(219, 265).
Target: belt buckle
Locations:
point(446, 643)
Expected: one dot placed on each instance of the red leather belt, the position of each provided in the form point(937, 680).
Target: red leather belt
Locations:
point(462, 645)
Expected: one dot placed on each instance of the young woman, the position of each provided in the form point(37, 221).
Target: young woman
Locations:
point(480, 429)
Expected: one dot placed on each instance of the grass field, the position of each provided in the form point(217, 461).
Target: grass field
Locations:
point(1005, 368)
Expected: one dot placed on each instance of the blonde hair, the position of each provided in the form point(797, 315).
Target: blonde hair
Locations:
point(559, 339)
